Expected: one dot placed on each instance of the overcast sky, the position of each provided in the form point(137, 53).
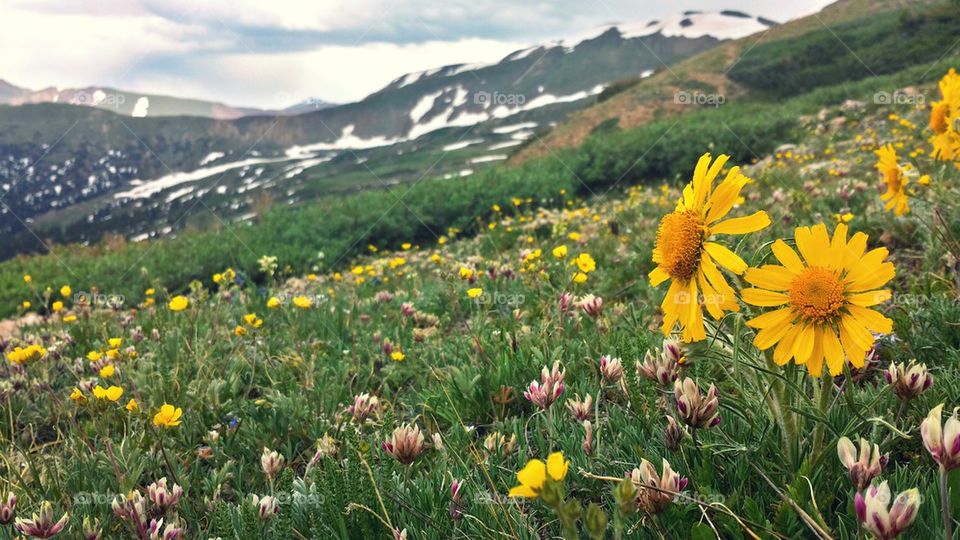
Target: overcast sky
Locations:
point(272, 53)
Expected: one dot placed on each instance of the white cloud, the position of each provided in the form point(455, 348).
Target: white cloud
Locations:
point(272, 53)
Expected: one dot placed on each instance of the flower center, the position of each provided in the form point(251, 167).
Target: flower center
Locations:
point(679, 243)
point(894, 180)
point(938, 117)
point(817, 294)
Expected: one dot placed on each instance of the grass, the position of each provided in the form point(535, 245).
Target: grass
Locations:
point(770, 468)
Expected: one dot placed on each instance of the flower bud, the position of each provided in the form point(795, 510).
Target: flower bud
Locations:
point(162, 496)
point(611, 369)
point(41, 524)
point(405, 444)
point(549, 389)
point(7, 509)
point(672, 434)
point(867, 467)
point(596, 521)
point(656, 491)
point(908, 381)
point(872, 511)
point(267, 507)
point(271, 462)
point(943, 442)
point(696, 409)
point(581, 410)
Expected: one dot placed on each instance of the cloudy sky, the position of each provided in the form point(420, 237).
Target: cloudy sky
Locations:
point(272, 53)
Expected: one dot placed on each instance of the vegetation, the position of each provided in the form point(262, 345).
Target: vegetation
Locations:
point(392, 395)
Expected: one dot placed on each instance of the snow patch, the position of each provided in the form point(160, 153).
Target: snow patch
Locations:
point(140, 109)
point(461, 144)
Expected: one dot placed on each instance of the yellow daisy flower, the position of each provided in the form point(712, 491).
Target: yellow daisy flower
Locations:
point(685, 255)
point(179, 303)
point(943, 117)
point(823, 299)
point(168, 416)
point(896, 180)
point(534, 475)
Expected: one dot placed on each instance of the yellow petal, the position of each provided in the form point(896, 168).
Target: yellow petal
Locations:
point(725, 258)
point(787, 256)
point(719, 284)
point(772, 277)
point(557, 466)
point(872, 298)
point(772, 318)
point(533, 475)
point(873, 320)
point(854, 352)
point(833, 352)
point(854, 249)
point(523, 491)
point(812, 242)
point(769, 336)
point(763, 298)
point(726, 195)
point(711, 299)
point(859, 333)
point(657, 276)
point(804, 344)
point(742, 225)
point(784, 350)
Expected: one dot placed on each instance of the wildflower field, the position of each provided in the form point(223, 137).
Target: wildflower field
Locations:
point(768, 349)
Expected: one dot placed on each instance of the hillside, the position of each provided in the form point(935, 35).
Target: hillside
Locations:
point(513, 379)
point(706, 79)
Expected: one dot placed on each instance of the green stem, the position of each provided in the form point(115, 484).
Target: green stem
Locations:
point(824, 394)
point(945, 503)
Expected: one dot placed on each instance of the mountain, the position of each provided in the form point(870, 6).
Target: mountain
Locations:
point(712, 75)
point(138, 104)
point(76, 173)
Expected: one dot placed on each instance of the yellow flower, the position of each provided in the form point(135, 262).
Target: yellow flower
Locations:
point(465, 273)
point(70, 318)
point(168, 416)
point(944, 115)
point(113, 354)
point(579, 277)
point(474, 292)
point(107, 371)
point(179, 303)
point(585, 263)
point(132, 406)
point(273, 303)
point(302, 302)
point(896, 180)
point(31, 353)
point(823, 299)
point(534, 475)
point(406, 246)
point(252, 320)
point(924, 180)
point(217, 278)
point(311, 277)
point(150, 292)
point(26, 304)
point(397, 356)
point(66, 291)
point(28, 279)
point(240, 331)
point(113, 393)
point(560, 252)
point(94, 356)
point(685, 255)
point(575, 236)
point(77, 395)
point(115, 343)
point(57, 306)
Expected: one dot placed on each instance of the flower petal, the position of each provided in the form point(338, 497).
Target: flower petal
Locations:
point(726, 258)
point(764, 298)
point(557, 466)
point(742, 225)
